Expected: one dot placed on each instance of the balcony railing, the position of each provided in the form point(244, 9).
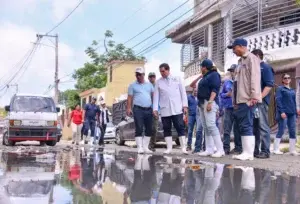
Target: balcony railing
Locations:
point(192, 68)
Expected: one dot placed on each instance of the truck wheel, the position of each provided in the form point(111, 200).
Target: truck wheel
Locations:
point(119, 140)
point(7, 142)
point(177, 141)
point(51, 143)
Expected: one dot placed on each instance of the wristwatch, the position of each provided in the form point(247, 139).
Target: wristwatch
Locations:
point(209, 102)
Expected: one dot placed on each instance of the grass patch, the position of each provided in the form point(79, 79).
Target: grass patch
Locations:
point(284, 150)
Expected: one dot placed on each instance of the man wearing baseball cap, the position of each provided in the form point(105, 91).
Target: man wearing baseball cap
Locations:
point(90, 114)
point(208, 90)
point(247, 93)
point(139, 104)
point(226, 101)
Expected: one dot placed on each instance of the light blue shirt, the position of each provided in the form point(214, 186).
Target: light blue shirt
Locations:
point(141, 94)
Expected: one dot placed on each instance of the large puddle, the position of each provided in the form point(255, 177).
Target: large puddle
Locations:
point(88, 176)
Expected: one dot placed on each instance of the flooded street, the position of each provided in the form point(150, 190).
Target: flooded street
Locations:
point(94, 176)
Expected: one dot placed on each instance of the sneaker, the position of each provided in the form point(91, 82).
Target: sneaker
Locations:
point(189, 148)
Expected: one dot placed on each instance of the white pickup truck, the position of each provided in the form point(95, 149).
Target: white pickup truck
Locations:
point(31, 118)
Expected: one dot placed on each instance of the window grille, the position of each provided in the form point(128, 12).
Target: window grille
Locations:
point(195, 48)
point(249, 16)
point(245, 18)
point(218, 43)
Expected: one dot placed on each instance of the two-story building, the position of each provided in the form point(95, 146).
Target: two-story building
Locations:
point(270, 25)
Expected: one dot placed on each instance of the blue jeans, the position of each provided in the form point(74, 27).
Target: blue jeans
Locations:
point(89, 125)
point(195, 119)
point(290, 121)
point(243, 117)
point(262, 130)
point(143, 117)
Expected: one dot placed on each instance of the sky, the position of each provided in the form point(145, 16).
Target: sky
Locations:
point(21, 20)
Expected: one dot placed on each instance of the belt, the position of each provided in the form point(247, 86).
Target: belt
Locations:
point(143, 108)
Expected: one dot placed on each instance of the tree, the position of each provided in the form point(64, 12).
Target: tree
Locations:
point(94, 73)
point(70, 97)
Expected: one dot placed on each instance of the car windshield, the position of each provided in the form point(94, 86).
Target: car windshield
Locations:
point(33, 104)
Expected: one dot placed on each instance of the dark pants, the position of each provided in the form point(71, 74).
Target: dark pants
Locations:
point(290, 121)
point(89, 125)
point(228, 125)
point(103, 129)
point(178, 123)
point(154, 132)
point(195, 120)
point(143, 117)
point(262, 130)
point(243, 116)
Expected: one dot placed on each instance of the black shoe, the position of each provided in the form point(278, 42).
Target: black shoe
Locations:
point(227, 152)
point(77, 143)
point(235, 151)
point(189, 148)
point(152, 148)
point(262, 156)
point(196, 151)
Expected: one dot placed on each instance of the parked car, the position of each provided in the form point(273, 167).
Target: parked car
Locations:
point(31, 118)
point(110, 133)
point(125, 131)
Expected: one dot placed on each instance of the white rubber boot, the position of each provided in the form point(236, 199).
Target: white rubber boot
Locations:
point(183, 144)
point(139, 144)
point(169, 142)
point(219, 145)
point(292, 149)
point(146, 141)
point(276, 146)
point(138, 162)
point(248, 143)
point(209, 143)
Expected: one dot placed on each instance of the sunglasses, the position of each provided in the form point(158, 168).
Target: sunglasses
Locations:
point(287, 78)
point(138, 74)
point(151, 76)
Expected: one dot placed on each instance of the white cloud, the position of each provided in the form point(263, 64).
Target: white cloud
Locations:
point(15, 41)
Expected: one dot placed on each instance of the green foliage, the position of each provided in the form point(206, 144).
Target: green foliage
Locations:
point(70, 98)
point(298, 2)
point(94, 73)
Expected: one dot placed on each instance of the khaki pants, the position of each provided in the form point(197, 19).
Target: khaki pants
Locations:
point(76, 132)
point(154, 132)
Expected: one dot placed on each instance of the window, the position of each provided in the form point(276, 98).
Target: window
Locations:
point(90, 99)
point(218, 42)
point(83, 102)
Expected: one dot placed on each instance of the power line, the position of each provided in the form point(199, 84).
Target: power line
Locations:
point(157, 21)
point(65, 17)
point(167, 25)
point(135, 12)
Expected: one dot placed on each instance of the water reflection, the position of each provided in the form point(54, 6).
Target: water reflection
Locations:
point(88, 176)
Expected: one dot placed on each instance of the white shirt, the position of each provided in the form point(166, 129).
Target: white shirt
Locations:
point(170, 96)
point(103, 111)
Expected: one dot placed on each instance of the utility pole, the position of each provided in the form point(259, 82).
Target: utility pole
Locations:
point(56, 80)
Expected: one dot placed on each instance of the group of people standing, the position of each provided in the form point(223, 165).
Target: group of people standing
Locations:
point(89, 119)
point(244, 98)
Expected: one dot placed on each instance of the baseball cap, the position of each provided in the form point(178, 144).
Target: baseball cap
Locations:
point(94, 98)
point(151, 74)
point(102, 102)
point(232, 67)
point(139, 70)
point(238, 41)
point(207, 63)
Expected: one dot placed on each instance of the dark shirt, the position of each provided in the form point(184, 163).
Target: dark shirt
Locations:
point(225, 100)
point(192, 103)
point(210, 82)
point(91, 110)
point(267, 79)
point(286, 100)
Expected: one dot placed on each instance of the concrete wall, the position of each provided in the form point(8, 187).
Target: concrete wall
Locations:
point(123, 74)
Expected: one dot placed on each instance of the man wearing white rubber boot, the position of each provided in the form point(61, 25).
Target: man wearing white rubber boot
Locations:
point(247, 93)
point(208, 90)
point(170, 96)
point(140, 95)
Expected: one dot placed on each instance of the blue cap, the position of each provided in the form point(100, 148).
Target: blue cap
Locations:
point(238, 41)
point(207, 63)
point(232, 67)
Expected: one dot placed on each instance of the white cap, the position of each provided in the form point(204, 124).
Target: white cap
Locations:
point(102, 102)
point(140, 70)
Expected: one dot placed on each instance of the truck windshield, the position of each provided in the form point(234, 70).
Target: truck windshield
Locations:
point(32, 104)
